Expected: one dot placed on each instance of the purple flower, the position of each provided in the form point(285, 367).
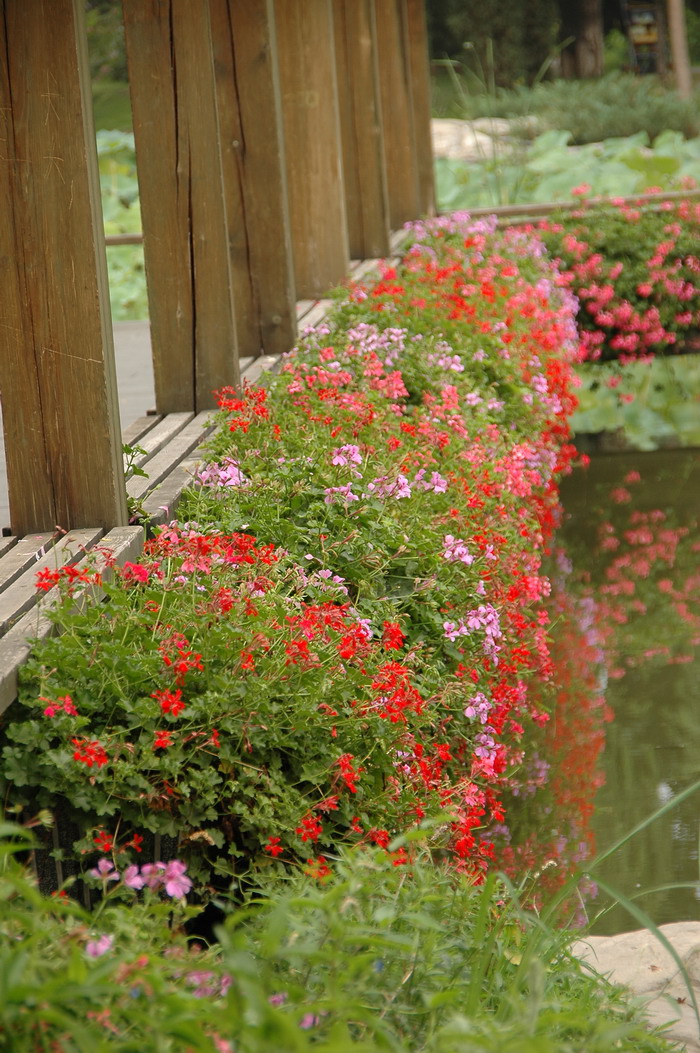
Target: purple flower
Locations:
point(105, 870)
point(278, 999)
point(96, 948)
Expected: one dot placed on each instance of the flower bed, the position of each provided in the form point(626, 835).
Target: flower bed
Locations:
point(345, 634)
point(635, 271)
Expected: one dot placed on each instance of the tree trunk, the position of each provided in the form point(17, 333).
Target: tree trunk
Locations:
point(679, 48)
point(582, 20)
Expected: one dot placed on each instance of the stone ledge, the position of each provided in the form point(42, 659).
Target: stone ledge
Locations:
point(638, 961)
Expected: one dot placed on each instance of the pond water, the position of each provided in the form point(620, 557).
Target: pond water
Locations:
point(630, 534)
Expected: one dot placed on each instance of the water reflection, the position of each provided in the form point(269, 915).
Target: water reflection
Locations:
point(631, 534)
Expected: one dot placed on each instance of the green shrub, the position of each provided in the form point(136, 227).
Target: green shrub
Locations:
point(372, 959)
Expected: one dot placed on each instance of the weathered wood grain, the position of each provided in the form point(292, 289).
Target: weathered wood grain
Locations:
point(170, 455)
point(6, 543)
point(173, 100)
point(135, 432)
point(364, 171)
point(62, 434)
point(22, 594)
point(25, 553)
point(397, 112)
point(419, 65)
point(250, 121)
point(159, 436)
point(313, 164)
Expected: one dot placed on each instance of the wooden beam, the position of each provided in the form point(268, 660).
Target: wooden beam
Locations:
point(250, 120)
point(366, 198)
point(419, 63)
point(306, 55)
point(397, 109)
point(60, 411)
point(173, 100)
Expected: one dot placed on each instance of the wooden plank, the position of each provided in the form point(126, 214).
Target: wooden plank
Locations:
point(366, 197)
point(419, 64)
point(161, 505)
point(6, 543)
point(132, 435)
point(22, 593)
point(305, 47)
point(303, 308)
point(261, 366)
point(317, 314)
point(250, 121)
point(54, 310)
point(397, 107)
point(367, 269)
point(166, 459)
point(163, 433)
point(23, 554)
point(122, 543)
point(397, 243)
point(173, 100)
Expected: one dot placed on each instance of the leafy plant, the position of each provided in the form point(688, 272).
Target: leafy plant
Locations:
point(290, 667)
point(369, 959)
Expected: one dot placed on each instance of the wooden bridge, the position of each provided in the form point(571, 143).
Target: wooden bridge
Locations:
point(276, 141)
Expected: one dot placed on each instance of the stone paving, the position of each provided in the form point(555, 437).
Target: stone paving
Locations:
point(638, 961)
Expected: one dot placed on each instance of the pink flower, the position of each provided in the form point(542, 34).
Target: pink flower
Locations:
point(96, 948)
point(177, 884)
point(349, 454)
point(132, 877)
point(105, 870)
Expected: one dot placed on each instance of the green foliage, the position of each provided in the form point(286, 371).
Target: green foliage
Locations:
point(122, 215)
point(550, 170)
point(524, 32)
point(647, 404)
point(371, 960)
point(616, 105)
point(105, 36)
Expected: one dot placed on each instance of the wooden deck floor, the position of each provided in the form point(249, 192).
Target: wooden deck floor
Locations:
point(132, 346)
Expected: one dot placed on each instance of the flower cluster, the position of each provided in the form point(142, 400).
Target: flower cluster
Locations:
point(345, 632)
point(636, 273)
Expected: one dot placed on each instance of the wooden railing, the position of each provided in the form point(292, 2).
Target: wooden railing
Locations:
point(275, 139)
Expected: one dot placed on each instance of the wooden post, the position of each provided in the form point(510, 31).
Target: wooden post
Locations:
point(366, 199)
point(678, 36)
point(419, 62)
point(305, 48)
point(250, 121)
point(60, 412)
point(173, 100)
point(397, 112)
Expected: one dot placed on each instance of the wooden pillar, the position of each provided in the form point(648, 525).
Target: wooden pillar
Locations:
point(397, 112)
point(57, 376)
point(419, 63)
point(364, 172)
point(250, 121)
point(678, 36)
point(306, 53)
point(173, 100)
